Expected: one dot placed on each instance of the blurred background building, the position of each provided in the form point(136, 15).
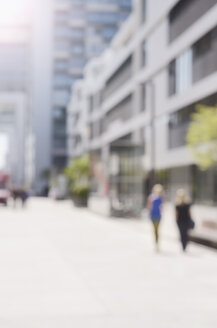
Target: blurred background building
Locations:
point(82, 29)
point(160, 65)
point(15, 111)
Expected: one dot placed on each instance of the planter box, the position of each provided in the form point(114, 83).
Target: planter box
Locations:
point(80, 201)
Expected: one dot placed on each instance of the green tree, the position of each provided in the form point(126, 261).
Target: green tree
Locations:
point(78, 174)
point(202, 136)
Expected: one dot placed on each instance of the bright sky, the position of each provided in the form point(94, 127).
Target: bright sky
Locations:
point(3, 149)
point(13, 12)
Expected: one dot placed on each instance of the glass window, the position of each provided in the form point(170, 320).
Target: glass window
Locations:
point(62, 46)
point(103, 1)
point(77, 49)
point(77, 33)
point(62, 80)
point(77, 62)
point(78, 2)
point(102, 17)
point(184, 71)
point(172, 78)
point(91, 105)
point(59, 143)
point(180, 73)
point(78, 15)
point(205, 54)
point(126, 3)
point(59, 113)
point(143, 50)
point(63, 31)
point(143, 10)
point(109, 32)
point(61, 65)
point(123, 16)
point(185, 13)
point(61, 97)
point(143, 95)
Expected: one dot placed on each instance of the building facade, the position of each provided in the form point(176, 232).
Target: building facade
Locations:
point(82, 29)
point(161, 65)
point(15, 101)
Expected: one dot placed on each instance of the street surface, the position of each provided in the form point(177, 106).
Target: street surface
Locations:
point(69, 268)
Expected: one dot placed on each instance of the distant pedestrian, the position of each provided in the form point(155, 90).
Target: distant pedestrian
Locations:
point(15, 195)
point(155, 202)
point(183, 216)
point(24, 195)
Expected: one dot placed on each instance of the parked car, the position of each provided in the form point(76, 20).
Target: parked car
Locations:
point(4, 196)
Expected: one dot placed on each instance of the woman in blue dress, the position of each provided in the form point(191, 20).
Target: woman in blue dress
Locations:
point(155, 202)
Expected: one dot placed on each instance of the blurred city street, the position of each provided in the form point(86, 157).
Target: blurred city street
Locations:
point(67, 267)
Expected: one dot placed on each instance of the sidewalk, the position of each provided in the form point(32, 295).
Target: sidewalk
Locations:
point(63, 267)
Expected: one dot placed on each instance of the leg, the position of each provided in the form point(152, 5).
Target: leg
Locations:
point(156, 233)
point(183, 237)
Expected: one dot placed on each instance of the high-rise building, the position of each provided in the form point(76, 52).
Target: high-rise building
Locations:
point(60, 37)
point(82, 29)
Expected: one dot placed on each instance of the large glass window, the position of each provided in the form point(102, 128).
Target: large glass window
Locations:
point(205, 186)
point(178, 126)
point(179, 121)
point(121, 112)
point(120, 76)
point(180, 73)
point(205, 56)
point(185, 13)
point(184, 71)
point(194, 64)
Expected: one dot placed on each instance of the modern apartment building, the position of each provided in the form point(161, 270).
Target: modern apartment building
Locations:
point(82, 29)
point(160, 65)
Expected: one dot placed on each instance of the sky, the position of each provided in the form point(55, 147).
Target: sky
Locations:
point(13, 12)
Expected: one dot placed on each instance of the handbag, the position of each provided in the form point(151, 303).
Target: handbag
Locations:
point(191, 224)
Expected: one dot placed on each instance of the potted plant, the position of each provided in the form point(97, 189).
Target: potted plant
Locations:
point(78, 173)
point(80, 194)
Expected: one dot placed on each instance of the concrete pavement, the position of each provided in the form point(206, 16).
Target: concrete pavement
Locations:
point(66, 267)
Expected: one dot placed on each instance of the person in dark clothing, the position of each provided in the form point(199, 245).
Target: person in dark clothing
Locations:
point(183, 216)
point(24, 196)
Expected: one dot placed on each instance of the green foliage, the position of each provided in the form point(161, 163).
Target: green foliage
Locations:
point(78, 169)
point(80, 190)
point(78, 173)
point(202, 136)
